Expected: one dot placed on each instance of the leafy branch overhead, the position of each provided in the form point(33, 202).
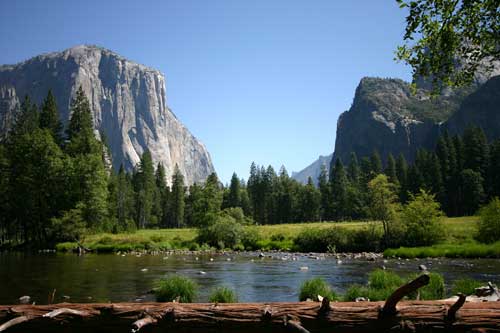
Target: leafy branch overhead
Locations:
point(448, 41)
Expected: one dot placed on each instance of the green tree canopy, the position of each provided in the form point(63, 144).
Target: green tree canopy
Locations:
point(449, 40)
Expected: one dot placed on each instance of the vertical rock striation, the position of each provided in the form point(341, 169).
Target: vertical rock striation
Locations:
point(128, 102)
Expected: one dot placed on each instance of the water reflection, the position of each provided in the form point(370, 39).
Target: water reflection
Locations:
point(115, 278)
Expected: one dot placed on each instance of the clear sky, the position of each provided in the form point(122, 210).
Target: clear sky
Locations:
point(259, 80)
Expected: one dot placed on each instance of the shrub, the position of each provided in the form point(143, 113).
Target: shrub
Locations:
point(314, 287)
point(223, 295)
point(367, 239)
point(354, 291)
point(322, 240)
point(69, 227)
point(422, 218)
point(224, 233)
point(170, 288)
point(435, 289)
point(465, 286)
point(238, 215)
point(66, 246)
point(489, 222)
point(381, 279)
point(250, 238)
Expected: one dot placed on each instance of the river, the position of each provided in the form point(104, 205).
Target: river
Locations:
point(128, 278)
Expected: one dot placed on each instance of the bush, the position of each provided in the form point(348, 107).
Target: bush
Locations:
point(434, 290)
point(223, 295)
point(322, 240)
point(338, 239)
point(381, 284)
point(422, 218)
point(66, 246)
point(170, 288)
point(489, 222)
point(367, 239)
point(238, 215)
point(465, 286)
point(314, 287)
point(354, 291)
point(250, 238)
point(69, 227)
point(224, 233)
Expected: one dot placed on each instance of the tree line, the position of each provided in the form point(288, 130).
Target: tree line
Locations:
point(58, 185)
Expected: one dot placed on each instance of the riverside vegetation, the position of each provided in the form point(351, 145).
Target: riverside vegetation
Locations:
point(61, 189)
point(380, 285)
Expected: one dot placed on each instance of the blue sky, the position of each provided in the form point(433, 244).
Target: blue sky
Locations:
point(260, 80)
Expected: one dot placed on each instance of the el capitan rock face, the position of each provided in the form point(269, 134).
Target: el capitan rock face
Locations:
point(128, 101)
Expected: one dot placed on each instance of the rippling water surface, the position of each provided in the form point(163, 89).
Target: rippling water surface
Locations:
point(116, 278)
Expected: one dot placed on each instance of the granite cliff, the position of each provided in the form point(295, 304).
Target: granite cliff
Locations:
point(128, 101)
point(387, 116)
point(313, 170)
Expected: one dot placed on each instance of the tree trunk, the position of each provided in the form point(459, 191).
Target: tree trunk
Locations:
point(424, 316)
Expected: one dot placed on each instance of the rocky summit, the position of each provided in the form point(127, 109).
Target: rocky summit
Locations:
point(389, 117)
point(128, 101)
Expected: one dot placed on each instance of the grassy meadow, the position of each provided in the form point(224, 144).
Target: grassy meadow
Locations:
point(459, 239)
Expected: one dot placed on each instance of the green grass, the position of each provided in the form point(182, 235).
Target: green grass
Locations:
point(223, 295)
point(465, 286)
point(469, 249)
point(273, 237)
point(381, 284)
point(170, 288)
point(310, 289)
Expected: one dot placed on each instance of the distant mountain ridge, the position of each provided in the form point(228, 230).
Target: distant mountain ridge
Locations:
point(313, 170)
point(128, 101)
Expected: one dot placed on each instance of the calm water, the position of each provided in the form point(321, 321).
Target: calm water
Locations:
point(115, 278)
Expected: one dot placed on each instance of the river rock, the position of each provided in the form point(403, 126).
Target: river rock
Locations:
point(422, 268)
point(24, 299)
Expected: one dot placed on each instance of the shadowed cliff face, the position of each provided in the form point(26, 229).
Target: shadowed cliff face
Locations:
point(385, 116)
point(388, 117)
point(128, 101)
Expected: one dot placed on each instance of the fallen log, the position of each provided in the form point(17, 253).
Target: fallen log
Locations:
point(414, 316)
point(304, 317)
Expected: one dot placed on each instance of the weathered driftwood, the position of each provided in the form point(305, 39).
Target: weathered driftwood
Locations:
point(303, 317)
point(416, 316)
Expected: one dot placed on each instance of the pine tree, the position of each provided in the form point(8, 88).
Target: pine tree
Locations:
point(284, 198)
point(353, 170)
point(90, 177)
point(390, 170)
point(80, 130)
point(476, 150)
point(35, 188)
point(125, 204)
point(234, 196)
point(177, 198)
point(325, 192)
point(493, 178)
point(27, 119)
point(160, 196)
point(376, 163)
point(309, 202)
point(145, 188)
point(367, 173)
point(49, 118)
point(402, 174)
point(339, 184)
point(471, 192)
